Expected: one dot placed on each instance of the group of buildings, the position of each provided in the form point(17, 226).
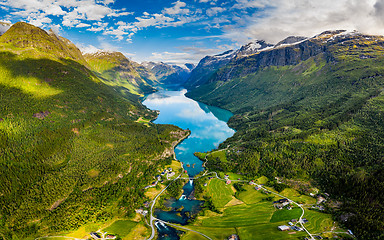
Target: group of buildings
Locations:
point(168, 172)
point(281, 203)
point(292, 225)
point(96, 236)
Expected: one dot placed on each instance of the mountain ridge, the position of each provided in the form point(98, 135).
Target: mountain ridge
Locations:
point(117, 70)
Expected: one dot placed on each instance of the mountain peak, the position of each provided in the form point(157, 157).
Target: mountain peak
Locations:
point(25, 35)
point(253, 47)
point(291, 40)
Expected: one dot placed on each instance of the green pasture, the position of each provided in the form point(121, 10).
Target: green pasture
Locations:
point(286, 215)
point(251, 196)
point(220, 192)
point(297, 197)
point(242, 215)
point(121, 227)
point(192, 236)
point(218, 154)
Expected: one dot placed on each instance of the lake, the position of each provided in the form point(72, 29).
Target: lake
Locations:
point(208, 127)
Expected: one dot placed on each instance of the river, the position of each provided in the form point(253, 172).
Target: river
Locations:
point(208, 127)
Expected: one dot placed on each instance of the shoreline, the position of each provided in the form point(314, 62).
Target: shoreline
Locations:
point(177, 142)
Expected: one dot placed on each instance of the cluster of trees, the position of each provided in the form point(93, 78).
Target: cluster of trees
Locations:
point(175, 189)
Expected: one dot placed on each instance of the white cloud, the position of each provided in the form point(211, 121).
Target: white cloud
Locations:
point(93, 12)
point(186, 55)
point(251, 4)
point(178, 8)
point(88, 49)
point(212, 2)
point(38, 12)
point(39, 21)
point(81, 25)
point(214, 11)
point(98, 26)
point(56, 28)
point(3, 28)
point(282, 18)
point(119, 14)
point(155, 20)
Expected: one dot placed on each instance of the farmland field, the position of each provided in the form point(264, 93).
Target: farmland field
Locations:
point(220, 192)
point(286, 215)
point(121, 227)
point(252, 196)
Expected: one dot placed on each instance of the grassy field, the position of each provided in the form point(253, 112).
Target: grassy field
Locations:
point(192, 236)
point(121, 227)
point(242, 215)
point(262, 180)
point(153, 191)
point(252, 196)
point(267, 232)
point(137, 233)
point(231, 175)
point(214, 232)
point(297, 197)
point(218, 154)
point(220, 192)
point(176, 167)
point(286, 215)
point(320, 222)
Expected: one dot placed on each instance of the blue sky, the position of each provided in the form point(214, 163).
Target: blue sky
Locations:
point(187, 30)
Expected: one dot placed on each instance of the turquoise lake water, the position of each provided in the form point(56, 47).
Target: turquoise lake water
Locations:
point(208, 127)
point(208, 124)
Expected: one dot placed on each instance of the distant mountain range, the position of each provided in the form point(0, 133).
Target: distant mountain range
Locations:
point(169, 74)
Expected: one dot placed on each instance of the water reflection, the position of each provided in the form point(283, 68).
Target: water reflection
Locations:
point(207, 123)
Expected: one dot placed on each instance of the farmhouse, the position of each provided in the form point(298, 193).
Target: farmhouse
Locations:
point(320, 199)
point(228, 182)
point(296, 228)
point(110, 237)
point(283, 228)
point(170, 174)
point(139, 211)
point(304, 220)
point(233, 237)
point(95, 235)
point(283, 202)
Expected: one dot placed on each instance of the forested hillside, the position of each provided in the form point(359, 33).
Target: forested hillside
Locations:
point(72, 149)
point(314, 111)
point(114, 69)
